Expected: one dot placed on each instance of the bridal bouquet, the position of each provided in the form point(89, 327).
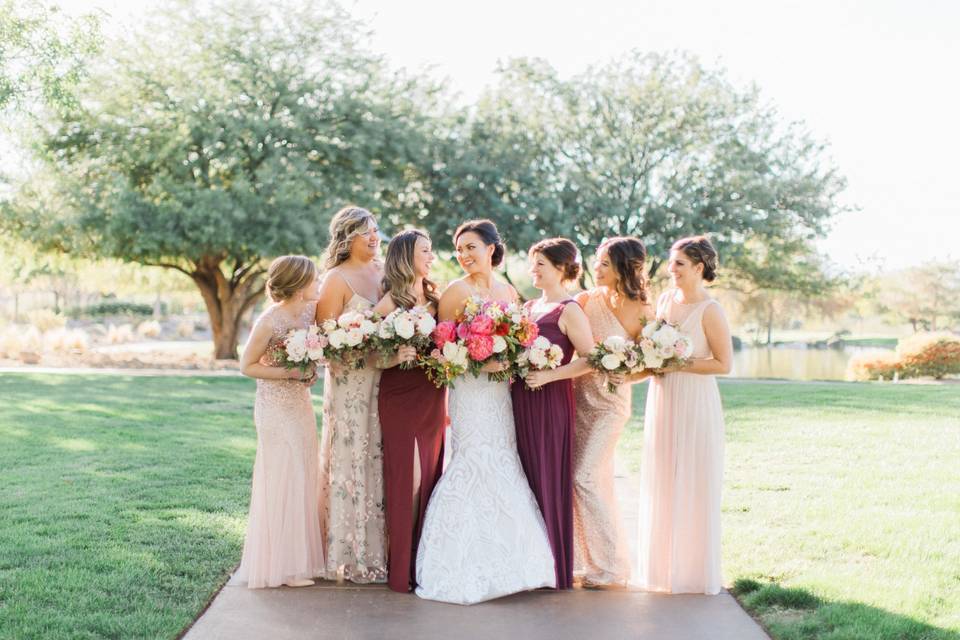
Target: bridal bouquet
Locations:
point(301, 348)
point(662, 345)
point(405, 327)
point(495, 331)
point(349, 337)
point(448, 359)
point(616, 354)
point(539, 356)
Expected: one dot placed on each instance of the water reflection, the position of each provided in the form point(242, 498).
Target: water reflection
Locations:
point(795, 364)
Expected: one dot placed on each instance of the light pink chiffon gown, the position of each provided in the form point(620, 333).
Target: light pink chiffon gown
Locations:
point(284, 541)
point(682, 472)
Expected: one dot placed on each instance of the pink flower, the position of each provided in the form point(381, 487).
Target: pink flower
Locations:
point(436, 353)
point(444, 332)
point(480, 347)
point(482, 326)
point(463, 330)
point(528, 332)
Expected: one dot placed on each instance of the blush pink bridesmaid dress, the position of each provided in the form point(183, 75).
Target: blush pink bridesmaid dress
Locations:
point(682, 470)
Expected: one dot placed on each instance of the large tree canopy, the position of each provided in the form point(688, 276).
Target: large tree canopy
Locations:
point(214, 140)
point(648, 145)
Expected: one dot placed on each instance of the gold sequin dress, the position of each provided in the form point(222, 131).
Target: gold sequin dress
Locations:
point(601, 553)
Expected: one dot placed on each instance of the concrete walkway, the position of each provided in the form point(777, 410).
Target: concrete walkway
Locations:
point(347, 611)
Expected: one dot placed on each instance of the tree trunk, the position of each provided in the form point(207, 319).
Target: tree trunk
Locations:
point(226, 299)
point(770, 326)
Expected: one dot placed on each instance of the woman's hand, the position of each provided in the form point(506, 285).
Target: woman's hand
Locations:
point(536, 379)
point(405, 354)
point(495, 367)
point(671, 369)
point(616, 379)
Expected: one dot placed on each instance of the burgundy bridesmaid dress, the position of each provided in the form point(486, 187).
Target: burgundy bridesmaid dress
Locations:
point(412, 411)
point(544, 420)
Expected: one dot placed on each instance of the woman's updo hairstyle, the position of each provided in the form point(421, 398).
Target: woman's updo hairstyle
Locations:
point(701, 251)
point(628, 257)
point(488, 233)
point(562, 254)
point(289, 274)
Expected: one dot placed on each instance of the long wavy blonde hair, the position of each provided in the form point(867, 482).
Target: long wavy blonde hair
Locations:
point(347, 224)
point(399, 275)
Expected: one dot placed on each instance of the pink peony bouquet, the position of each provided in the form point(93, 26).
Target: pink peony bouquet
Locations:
point(405, 327)
point(662, 345)
point(301, 348)
point(616, 354)
point(539, 356)
point(349, 337)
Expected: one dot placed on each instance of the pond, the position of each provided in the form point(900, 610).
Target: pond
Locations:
point(795, 363)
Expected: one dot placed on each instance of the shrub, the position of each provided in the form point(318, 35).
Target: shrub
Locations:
point(185, 329)
point(112, 308)
point(67, 340)
point(46, 320)
point(149, 329)
point(870, 366)
point(117, 335)
point(930, 354)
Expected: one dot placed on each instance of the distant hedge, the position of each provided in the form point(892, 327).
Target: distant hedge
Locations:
point(925, 354)
point(112, 308)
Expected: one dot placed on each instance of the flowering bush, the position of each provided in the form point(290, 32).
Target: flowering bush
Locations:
point(929, 354)
point(870, 366)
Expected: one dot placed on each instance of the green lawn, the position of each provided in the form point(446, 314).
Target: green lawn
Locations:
point(841, 507)
point(123, 502)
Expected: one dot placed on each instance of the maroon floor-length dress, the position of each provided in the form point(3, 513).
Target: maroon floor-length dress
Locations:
point(412, 410)
point(544, 420)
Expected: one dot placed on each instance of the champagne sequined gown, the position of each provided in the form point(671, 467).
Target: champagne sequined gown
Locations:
point(601, 552)
point(283, 541)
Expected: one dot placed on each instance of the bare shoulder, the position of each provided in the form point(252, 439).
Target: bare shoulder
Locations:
point(507, 291)
point(582, 297)
point(456, 289)
point(714, 312)
point(385, 305)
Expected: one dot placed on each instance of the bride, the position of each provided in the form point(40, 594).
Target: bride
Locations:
point(483, 535)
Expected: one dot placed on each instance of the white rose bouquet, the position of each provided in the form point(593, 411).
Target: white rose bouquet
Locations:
point(662, 345)
point(349, 337)
point(615, 354)
point(539, 356)
point(405, 327)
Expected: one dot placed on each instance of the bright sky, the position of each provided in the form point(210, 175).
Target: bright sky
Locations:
point(877, 80)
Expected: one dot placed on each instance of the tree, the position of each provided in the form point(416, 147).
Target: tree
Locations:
point(926, 296)
point(42, 54)
point(220, 136)
point(659, 147)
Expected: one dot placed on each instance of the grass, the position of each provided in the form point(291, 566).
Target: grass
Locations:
point(841, 509)
point(123, 502)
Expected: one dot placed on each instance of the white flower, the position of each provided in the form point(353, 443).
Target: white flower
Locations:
point(611, 361)
point(616, 344)
point(456, 353)
point(666, 335)
point(499, 344)
point(649, 329)
point(386, 329)
point(516, 317)
point(495, 312)
point(354, 337)
point(541, 343)
point(337, 338)
point(666, 351)
point(555, 355)
point(523, 358)
point(405, 326)
point(329, 325)
point(538, 358)
point(297, 346)
point(652, 363)
point(426, 324)
point(349, 319)
point(368, 327)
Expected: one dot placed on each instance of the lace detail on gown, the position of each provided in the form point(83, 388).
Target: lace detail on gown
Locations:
point(483, 535)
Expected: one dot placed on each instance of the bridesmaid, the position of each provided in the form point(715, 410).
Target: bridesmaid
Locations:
point(543, 405)
point(617, 306)
point(412, 411)
point(284, 544)
point(682, 471)
point(351, 453)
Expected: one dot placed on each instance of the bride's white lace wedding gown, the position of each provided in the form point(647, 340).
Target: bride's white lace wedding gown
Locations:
point(483, 534)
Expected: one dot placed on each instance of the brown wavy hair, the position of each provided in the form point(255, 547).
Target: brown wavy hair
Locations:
point(346, 225)
point(701, 251)
point(628, 257)
point(399, 276)
point(562, 254)
point(289, 274)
